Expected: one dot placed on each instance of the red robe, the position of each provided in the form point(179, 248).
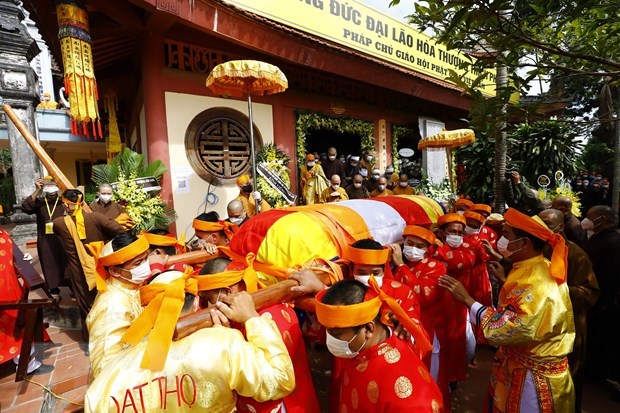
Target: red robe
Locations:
point(303, 398)
point(423, 277)
point(388, 377)
point(407, 299)
point(459, 263)
point(10, 290)
point(479, 283)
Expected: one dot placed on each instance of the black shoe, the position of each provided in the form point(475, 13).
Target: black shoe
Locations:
point(42, 369)
point(55, 291)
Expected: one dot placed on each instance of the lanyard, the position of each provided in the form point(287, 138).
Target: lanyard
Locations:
point(48, 207)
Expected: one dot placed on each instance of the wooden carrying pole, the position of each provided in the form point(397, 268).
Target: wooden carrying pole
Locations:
point(53, 169)
point(277, 293)
point(191, 258)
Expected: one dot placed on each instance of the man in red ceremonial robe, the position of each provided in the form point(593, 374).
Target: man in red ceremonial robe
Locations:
point(11, 290)
point(369, 258)
point(479, 282)
point(379, 371)
point(420, 272)
point(460, 258)
point(220, 277)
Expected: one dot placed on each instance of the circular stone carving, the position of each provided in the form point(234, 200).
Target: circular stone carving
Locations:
point(217, 144)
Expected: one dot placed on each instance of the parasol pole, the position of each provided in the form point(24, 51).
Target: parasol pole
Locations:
point(449, 155)
point(252, 149)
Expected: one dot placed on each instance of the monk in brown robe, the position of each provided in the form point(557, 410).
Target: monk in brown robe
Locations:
point(104, 204)
point(48, 207)
point(76, 229)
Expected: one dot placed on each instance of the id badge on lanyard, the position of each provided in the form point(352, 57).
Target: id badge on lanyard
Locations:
point(49, 228)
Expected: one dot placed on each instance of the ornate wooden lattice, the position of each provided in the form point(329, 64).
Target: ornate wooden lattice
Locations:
point(217, 144)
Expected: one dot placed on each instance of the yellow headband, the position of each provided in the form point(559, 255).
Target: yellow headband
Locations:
point(231, 277)
point(78, 214)
point(164, 303)
point(163, 240)
point(535, 226)
point(228, 227)
point(361, 256)
point(118, 257)
point(420, 232)
point(342, 316)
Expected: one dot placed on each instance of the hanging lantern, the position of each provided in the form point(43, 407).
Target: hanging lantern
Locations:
point(113, 140)
point(77, 57)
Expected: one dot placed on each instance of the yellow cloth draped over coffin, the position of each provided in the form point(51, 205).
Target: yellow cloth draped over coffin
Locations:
point(284, 238)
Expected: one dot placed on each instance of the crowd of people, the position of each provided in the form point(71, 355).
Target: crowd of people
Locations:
point(402, 321)
point(329, 178)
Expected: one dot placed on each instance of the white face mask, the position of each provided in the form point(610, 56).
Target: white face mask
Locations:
point(376, 176)
point(588, 225)
point(236, 220)
point(331, 158)
point(403, 184)
point(141, 273)
point(340, 348)
point(389, 171)
point(311, 164)
point(364, 279)
point(357, 185)
point(502, 246)
point(369, 158)
point(381, 188)
point(460, 212)
point(413, 254)
point(335, 187)
point(454, 241)
point(50, 189)
point(364, 172)
point(470, 231)
point(105, 198)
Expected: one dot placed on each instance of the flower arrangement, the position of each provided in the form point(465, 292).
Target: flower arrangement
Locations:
point(277, 162)
point(440, 193)
point(146, 210)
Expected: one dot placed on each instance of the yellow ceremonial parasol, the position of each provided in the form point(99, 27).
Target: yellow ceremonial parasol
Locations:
point(239, 78)
point(448, 139)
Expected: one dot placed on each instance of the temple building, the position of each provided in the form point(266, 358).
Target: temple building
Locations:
point(384, 80)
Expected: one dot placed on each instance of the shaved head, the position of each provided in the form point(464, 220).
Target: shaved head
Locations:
point(235, 207)
point(105, 186)
point(563, 204)
point(602, 210)
point(553, 219)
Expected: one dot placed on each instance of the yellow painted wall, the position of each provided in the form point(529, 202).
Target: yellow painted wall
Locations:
point(66, 154)
point(180, 110)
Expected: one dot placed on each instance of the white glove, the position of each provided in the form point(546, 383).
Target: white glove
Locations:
point(257, 197)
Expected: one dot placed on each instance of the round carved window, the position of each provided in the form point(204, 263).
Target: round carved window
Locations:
point(217, 144)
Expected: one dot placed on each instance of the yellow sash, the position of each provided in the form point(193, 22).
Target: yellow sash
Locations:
point(87, 261)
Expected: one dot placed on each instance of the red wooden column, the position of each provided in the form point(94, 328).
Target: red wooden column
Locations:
point(152, 58)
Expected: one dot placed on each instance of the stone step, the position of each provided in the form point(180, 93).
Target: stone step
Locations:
point(71, 319)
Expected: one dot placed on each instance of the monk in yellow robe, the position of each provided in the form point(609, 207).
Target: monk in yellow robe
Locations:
point(381, 189)
point(202, 372)
point(402, 186)
point(249, 197)
point(313, 181)
point(123, 265)
point(533, 323)
point(334, 192)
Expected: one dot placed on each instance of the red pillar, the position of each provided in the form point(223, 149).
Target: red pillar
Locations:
point(152, 58)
